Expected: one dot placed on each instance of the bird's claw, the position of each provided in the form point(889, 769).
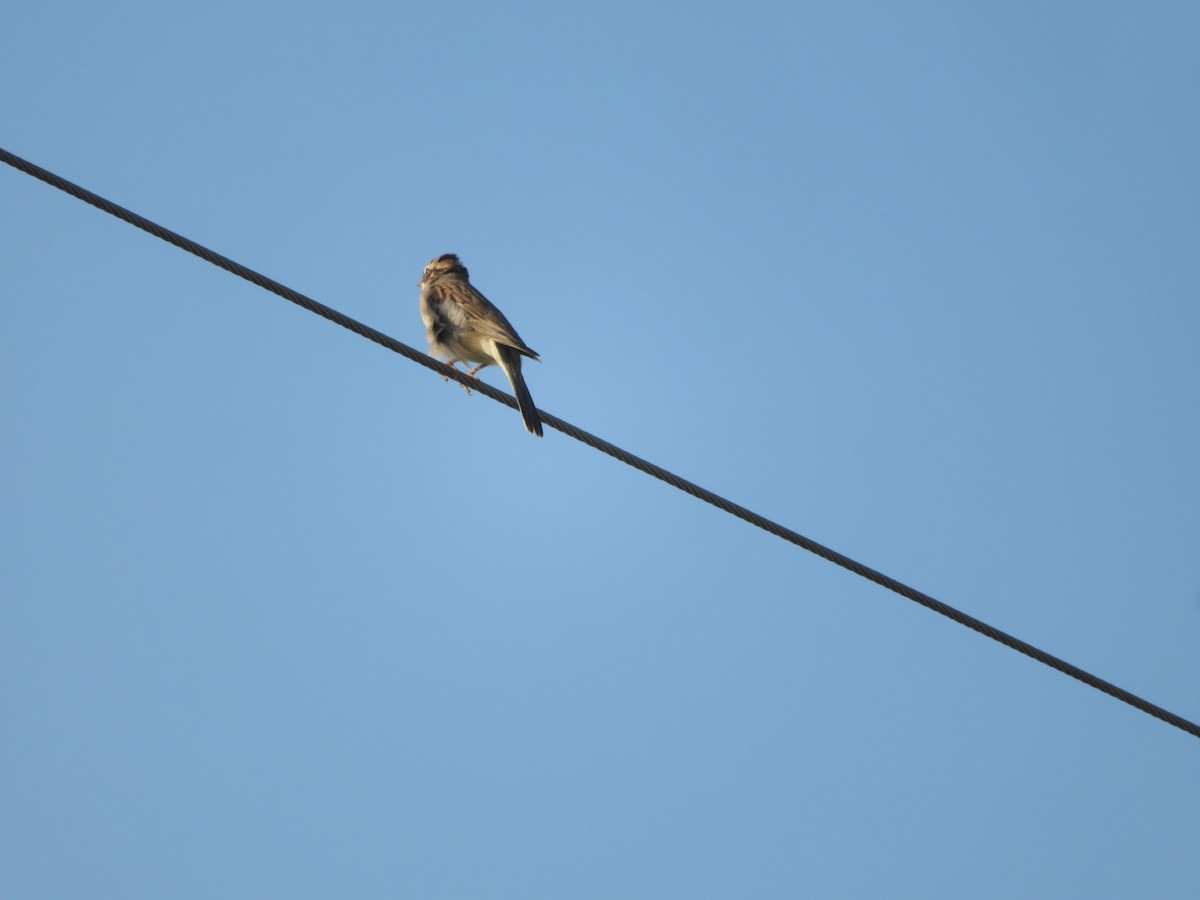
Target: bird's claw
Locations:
point(453, 363)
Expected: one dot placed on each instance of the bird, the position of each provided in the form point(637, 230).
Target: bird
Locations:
point(464, 326)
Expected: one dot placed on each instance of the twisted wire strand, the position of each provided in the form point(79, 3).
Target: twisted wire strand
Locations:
point(604, 446)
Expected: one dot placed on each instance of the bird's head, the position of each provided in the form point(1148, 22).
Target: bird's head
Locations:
point(443, 265)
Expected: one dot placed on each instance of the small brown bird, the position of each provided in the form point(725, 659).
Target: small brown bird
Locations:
point(463, 326)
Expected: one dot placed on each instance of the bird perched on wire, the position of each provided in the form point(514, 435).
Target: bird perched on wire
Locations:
point(464, 326)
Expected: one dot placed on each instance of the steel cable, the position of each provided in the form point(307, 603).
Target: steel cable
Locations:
point(603, 446)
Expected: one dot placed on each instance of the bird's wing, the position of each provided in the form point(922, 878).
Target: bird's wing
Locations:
point(482, 317)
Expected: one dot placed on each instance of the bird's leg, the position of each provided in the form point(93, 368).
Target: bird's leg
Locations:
point(477, 368)
point(453, 363)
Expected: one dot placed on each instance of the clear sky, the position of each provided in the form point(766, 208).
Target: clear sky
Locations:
point(285, 615)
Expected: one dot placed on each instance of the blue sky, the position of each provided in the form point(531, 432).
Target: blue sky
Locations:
point(285, 615)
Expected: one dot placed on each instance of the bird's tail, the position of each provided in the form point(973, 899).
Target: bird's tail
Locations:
point(510, 361)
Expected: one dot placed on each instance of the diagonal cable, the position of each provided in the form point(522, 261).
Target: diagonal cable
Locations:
point(604, 446)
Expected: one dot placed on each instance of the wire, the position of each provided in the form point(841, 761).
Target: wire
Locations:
point(604, 446)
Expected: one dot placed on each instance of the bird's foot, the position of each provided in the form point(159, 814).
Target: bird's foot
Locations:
point(453, 363)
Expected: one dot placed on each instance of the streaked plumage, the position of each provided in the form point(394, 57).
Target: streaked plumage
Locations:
point(464, 326)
